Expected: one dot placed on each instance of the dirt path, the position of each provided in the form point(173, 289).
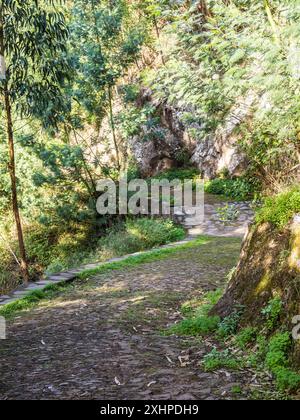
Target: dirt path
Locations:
point(102, 339)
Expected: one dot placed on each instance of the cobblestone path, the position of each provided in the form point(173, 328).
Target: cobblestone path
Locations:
point(102, 338)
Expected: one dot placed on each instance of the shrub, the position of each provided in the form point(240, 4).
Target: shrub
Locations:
point(155, 232)
point(237, 188)
point(279, 209)
point(287, 380)
point(138, 235)
point(228, 214)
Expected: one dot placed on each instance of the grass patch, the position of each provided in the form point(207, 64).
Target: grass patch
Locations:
point(52, 291)
point(32, 299)
point(146, 257)
point(220, 359)
point(198, 321)
point(137, 235)
point(202, 325)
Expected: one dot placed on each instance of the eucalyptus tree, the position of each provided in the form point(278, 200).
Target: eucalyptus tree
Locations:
point(33, 36)
point(106, 39)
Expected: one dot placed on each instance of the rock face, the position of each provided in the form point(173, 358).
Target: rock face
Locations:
point(269, 267)
point(220, 151)
point(217, 152)
point(166, 147)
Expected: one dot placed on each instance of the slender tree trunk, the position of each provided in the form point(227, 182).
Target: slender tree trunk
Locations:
point(12, 173)
point(272, 22)
point(113, 128)
point(12, 164)
point(203, 8)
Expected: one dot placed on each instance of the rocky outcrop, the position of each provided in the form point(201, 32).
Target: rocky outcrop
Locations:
point(220, 151)
point(167, 145)
point(174, 145)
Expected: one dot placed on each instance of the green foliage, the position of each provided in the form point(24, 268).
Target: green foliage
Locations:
point(280, 209)
point(277, 362)
point(229, 325)
point(198, 321)
point(105, 39)
point(246, 337)
point(278, 349)
point(202, 325)
point(34, 51)
point(287, 379)
point(243, 49)
point(137, 235)
point(228, 213)
point(180, 174)
point(272, 313)
point(237, 189)
point(220, 359)
point(155, 232)
point(32, 299)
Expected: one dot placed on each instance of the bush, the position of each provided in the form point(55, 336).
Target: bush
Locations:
point(236, 189)
point(138, 235)
point(280, 209)
point(153, 232)
point(287, 380)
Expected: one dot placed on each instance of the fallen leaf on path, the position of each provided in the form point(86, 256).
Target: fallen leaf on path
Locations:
point(118, 382)
point(169, 360)
point(151, 383)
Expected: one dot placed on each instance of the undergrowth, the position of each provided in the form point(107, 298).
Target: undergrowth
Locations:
point(261, 349)
point(279, 209)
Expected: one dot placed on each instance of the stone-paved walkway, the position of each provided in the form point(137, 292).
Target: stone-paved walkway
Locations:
point(102, 339)
point(209, 222)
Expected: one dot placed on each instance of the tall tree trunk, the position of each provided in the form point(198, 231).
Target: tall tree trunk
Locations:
point(113, 128)
point(203, 8)
point(12, 164)
point(272, 22)
point(12, 173)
